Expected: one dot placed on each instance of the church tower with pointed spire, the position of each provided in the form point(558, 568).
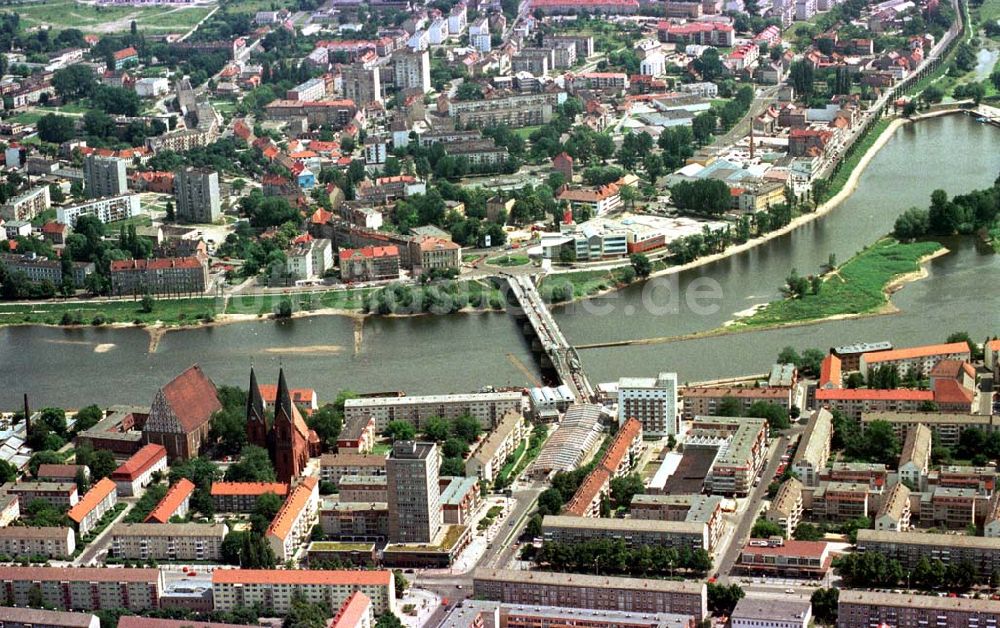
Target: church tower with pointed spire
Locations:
point(290, 435)
point(256, 419)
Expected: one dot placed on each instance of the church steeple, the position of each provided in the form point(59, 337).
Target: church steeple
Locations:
point(256, 419)
point(283, 399)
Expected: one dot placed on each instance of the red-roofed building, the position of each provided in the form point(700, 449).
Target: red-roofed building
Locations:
point(242, 496)
point(181, 412)
point(808, 142)
point(922, 359)
point(137, 472)
point(131, 621)
point(563, 163)
point(159, 275)
point(992, 357)
point(599, 200)
point(854, 402)
point(701, 33)
point(429, 253)
point(55, 232)
point(370, 263)
point(789, 559)
point(302, 397)
point(126, 56)
point(295, 519)
point(175, 503)
point(830, 375)
point(101, 498)
point(606, 7)
point(161, 182)
point(355, 613)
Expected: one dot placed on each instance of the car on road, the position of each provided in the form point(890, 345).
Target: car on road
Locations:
point(789, 590)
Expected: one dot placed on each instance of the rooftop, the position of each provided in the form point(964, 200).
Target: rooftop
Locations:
point(170, 529)
point(140, 462)
point(78, 574)
point(171, 501)
point(249, 488)
point(771, 610)
point(311, 576)
point(292, 507)
point(917, 352)
point(97, 494)
point(546, 578)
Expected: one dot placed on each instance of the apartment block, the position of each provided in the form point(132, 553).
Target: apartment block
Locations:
point(947, 428)
point(355, 521)
point(478, 613)
point(742, 452)
point(59, 494)
point(27, 205)
point(197, 193)
point(168, 541)
point(814, 448)
point(362, 83)
point(334, 466)
point(894, 513)
point(499, 445)
point(413, 492)
point(101, 498)
point(707, 400)
point(369, 263)
point(11, 617)
point(909, 547)
point(921, 360)
point(83, 588)
point(175, 503)
point(459, 499)
point(487, 408)
point(841, 501)
point(591, 592)
point(274, 590)
point(243, 496)
point(515, 111)
point(706, 509)
point(104, 176)
point(40, 269)
point(294, 520)
point(362, 488)
point(163, 275)
point(54, 542)
point(106, 209)
point(871, 608)
point(915, 460)
point(855, 402)
point(412, 70)
point(651, 400)
point(635, 532)
point(429, 253)
point(786, 507)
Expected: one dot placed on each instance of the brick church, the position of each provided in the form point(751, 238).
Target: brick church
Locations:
point(287, 438)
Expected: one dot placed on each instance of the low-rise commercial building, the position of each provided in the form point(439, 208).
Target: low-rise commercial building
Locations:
point(785, 559)
point(53, 542)
point(168, 541)
point(83, 588)
point(592, 592)
point(772, 613)
point(274, 590)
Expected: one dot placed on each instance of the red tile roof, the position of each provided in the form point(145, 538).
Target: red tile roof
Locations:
point(249, 488)
point(192, 397)
point(140, 462)
point(290, 510)
point(950, 391)
point(81, 574)
point(299, 395)
point(67, 471)
point(171, 501)
point(370, 251)
point(811, 549)
point(130, 621)
point(952, 368)
point(307, 576)
point(125, 53)
point(868, 394)
point(352, 613)
point(320, 217)
point(916, 352)
point(54, 227)
point(97, 493)
point(829, 372)
point(626, 435)
point(592, 486)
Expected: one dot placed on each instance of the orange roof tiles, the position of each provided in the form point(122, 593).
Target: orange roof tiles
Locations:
point(951, 392)
point(192, 397)
point(140, 462)
point(354, 610)
point(156, 263)
point(79, 574)
point(868, 394)
point(916, 352)
point(627, 433)
point(309, 576)
point(97, 494)
point(830, 373)
point(171, 501)
point(249, 488)
point(299, 395)
point(290, 510)
point(589, 490)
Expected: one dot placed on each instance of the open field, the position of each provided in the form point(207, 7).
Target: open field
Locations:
point(169, 311)
point(60, 14)
point(857, 287)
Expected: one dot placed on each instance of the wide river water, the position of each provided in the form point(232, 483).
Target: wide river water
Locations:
point(460, 353)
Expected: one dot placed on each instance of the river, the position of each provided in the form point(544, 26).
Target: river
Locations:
point(459, 353)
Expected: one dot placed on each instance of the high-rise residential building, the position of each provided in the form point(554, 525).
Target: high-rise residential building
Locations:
point(413, 492)
point(197, 192)
point(650, 400)
point(412, 70)
point(362, 83)
point(104, 176)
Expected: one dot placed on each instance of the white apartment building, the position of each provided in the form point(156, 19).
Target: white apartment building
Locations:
point(51, 542)
point(652, 401)
point(168, 541)
point(109, 209)
point(101, 498)
point(274, 589)
point(27, 205)
point(311, 259)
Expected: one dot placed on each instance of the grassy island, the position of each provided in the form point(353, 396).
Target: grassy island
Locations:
point(859, 286)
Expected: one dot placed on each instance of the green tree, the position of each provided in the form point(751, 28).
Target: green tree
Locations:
point(762, 529)
point(824, 605)
point(467, 428)
point(400, 430)
point(641, 265)
point(267, 506)
point(802, 76)
point(436, 429)
point(729, 406)
point(808, 532)
point(400, 582)
point(8, 472)
point(327, 422)
point(86, 418)
point(624, 488)
point(911, 224)
point(43, 457)
point(56, 129)
point(254, 466)
point(304, 614)
point(723, 599)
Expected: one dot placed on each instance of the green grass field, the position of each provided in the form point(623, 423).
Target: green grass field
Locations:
point(857, 287)
point(170, 311)
point(60, 14)
point(510, 260)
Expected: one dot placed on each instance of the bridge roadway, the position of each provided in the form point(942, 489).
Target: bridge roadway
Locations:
point(563, 355)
